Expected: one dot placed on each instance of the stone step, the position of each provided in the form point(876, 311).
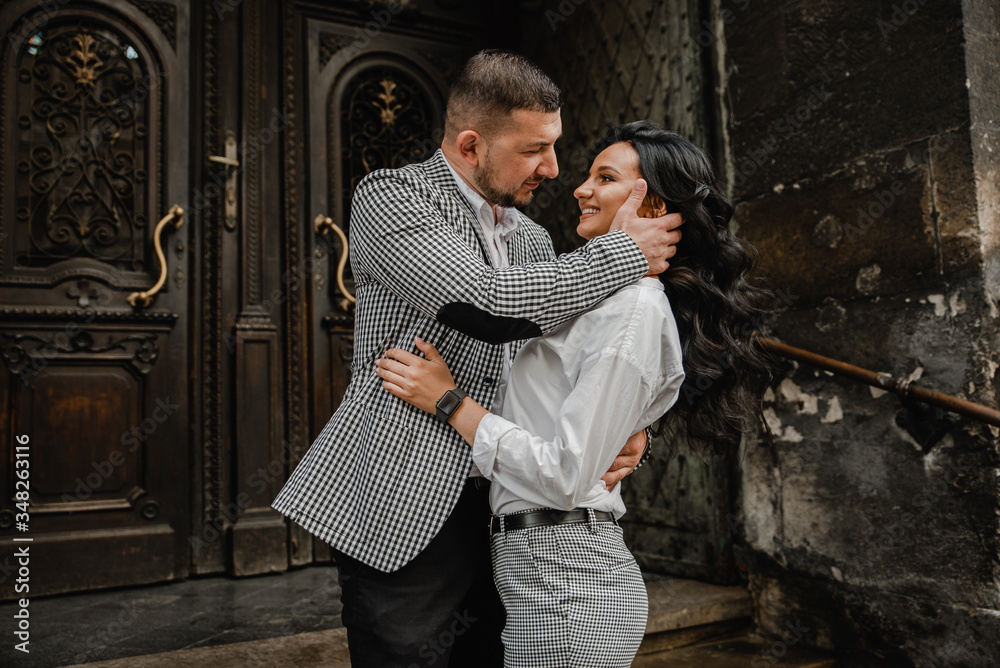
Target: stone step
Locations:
point(690, 624)
point(318, 649)
point(683, 612)
point(745, 652)
point(698, 625)
point(329, 650)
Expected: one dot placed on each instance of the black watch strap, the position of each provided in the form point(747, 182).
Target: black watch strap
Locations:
point(449, 403)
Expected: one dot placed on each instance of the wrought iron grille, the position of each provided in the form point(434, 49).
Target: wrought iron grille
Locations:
point(82, 145)
point(386, 122)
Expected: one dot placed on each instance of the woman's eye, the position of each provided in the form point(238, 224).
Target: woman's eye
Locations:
point(606, 178)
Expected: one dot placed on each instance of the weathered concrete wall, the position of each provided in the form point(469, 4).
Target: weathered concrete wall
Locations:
point(864, 148)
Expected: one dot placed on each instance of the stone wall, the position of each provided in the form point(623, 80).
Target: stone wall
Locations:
point(615, 62)
point(864, 148)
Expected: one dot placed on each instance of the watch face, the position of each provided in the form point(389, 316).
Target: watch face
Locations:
point(448, 403)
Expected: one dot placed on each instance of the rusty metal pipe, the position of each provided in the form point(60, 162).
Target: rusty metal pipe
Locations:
point(901, 386)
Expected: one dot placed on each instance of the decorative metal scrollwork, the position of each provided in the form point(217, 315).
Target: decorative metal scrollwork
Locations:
point(82, 134)
point(387, 117)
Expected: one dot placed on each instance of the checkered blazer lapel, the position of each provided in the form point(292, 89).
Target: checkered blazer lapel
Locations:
point(465, 220)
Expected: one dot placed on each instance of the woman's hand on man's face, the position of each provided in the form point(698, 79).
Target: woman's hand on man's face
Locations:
point(414, 379)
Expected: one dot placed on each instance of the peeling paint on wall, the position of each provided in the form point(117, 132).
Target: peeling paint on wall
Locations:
point(790, 434)
point(773, 421)
point(780, 431)
point(834, 413)
point(792, 393)
point(939, 307)
point(887, 545)
point(867, 280)
point(956, 304)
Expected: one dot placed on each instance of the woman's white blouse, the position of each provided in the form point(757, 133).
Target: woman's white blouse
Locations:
point(575, 396)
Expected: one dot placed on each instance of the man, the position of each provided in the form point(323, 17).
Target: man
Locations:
point(439, 252)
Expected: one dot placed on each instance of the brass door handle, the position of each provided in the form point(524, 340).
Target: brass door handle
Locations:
point(232, 171)
point(322, 224)
point(144, 299)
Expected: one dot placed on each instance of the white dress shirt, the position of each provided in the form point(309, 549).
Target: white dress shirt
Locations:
point(497, 228)
point(575, 396)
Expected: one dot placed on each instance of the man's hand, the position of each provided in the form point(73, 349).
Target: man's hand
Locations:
point(656, 237)
point(626, 460)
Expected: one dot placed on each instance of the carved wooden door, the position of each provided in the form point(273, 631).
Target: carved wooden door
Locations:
point(369, 110)
point(94, 289)
point(374, 99)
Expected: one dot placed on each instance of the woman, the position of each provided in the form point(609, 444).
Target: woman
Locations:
point(573, 592)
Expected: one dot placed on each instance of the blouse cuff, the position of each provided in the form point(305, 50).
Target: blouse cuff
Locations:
point(484, 448)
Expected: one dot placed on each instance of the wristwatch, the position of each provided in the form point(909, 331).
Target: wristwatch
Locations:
point(449, 403)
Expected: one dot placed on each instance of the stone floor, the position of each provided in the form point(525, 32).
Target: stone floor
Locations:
point(74, 629)
point(293, 619)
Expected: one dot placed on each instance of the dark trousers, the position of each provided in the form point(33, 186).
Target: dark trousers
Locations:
point(441, 609)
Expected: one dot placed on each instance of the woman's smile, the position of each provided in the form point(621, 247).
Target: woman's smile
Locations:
point(611, 179)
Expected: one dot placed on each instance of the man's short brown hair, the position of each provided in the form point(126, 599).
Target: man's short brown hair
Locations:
point(493, 84)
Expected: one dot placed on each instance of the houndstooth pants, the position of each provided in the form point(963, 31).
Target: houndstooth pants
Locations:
point(573, 593)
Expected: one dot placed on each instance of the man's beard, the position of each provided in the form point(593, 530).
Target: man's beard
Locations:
point(485, 178)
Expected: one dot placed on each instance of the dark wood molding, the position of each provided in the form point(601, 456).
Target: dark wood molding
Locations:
point(259, 535)
point(163, 14)
point(20, 350)
point(87, 316)
point(329, 44)
point(211, 315)
point(295, 305)
point(251, 157)
point(297, 374)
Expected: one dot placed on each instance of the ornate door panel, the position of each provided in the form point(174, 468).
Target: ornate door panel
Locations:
point(374, 99)
point(93, 289)
point(369, 109)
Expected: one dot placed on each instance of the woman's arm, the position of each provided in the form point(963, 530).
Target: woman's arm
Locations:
point(563, 468)
point(601, 412)
point(421, 382)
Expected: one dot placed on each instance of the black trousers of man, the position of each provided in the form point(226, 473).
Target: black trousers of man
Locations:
point(440, 609)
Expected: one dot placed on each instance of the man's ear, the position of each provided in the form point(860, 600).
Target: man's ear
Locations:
point(652, 207)
point(470, 145)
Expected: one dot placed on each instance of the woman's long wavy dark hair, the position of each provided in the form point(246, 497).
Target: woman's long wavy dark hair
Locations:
point(714, 301)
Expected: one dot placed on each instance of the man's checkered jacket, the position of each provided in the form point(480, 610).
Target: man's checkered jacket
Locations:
point(383, 476)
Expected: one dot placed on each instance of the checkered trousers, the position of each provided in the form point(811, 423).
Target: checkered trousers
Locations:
point(382, 477)
point(574, 596)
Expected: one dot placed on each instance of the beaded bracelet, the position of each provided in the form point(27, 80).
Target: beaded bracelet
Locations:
point(647, 451)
